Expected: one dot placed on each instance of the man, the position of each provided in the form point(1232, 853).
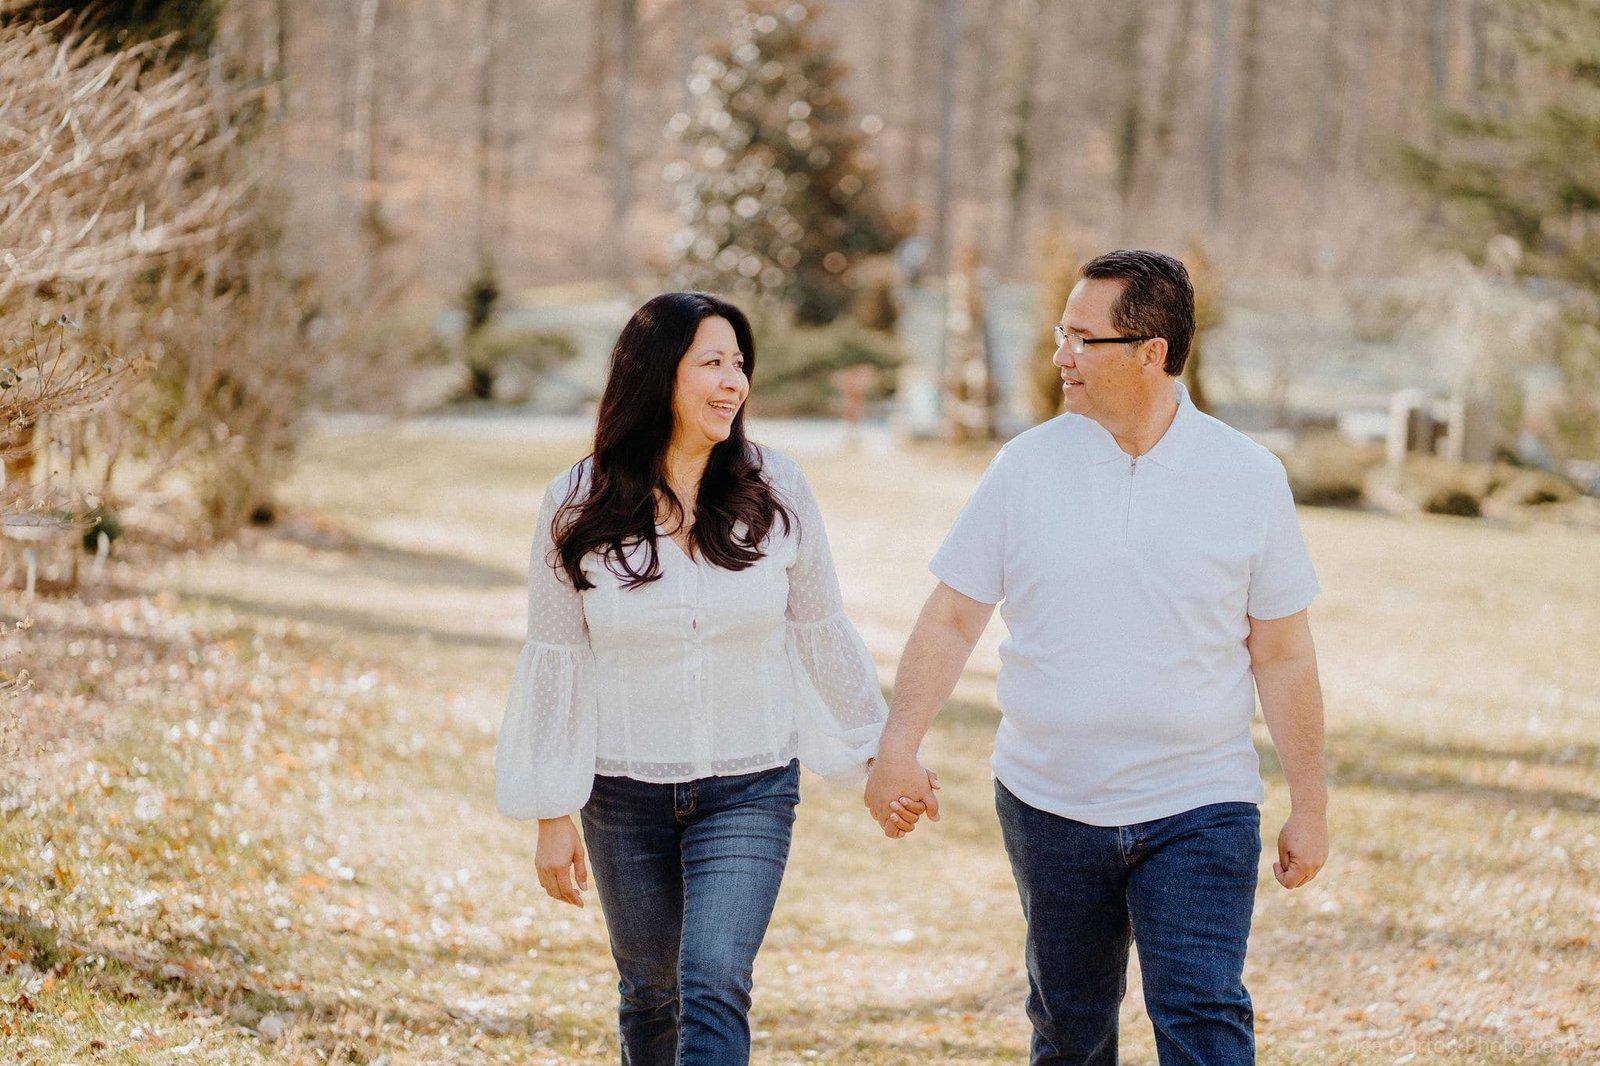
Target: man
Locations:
point(1153, 581)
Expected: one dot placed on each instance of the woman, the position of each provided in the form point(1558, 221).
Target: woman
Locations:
point(686, 642)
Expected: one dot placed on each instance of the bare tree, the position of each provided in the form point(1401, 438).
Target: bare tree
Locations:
point(1145, 183)
point(949, 36)
point(1020, 138)
point(601, 73)
point(1129, 130)
point(274, 33)
point(134, 203)
point(95, 188)
point(1439, 49)
point(47, 376)
point(981, 41)
point(690, 33)
point(363, 147)
point(485, 56)
point(1478, 45)
point(621, 148)
point(1247, 102)
point(1217, 120)
point(1325, 138)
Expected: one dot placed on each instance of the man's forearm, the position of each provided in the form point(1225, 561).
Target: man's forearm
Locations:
point(932, 662)
point(1291, 703)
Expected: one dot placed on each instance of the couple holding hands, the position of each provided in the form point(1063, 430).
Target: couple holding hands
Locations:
point(688, 649)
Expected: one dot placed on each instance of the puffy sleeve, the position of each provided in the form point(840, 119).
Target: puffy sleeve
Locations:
point(840, 710)
point(544, 761)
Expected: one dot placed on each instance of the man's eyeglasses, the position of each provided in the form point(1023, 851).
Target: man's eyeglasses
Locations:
point(1075, 342)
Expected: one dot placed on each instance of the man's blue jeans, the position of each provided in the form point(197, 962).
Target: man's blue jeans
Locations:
point(688, 875)
point(1180, 888)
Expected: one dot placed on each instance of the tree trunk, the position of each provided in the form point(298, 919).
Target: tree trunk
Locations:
point(1439, 52)
point(1247, 104)
point(976, 169)
point(689, 45)
point(515, 114)
point(364, 94)
point(1478, 43)
point(485, 54)
point(1146, 183)
point(949, 33)
point(1217, 122)
point(939, 262)
point(364, 148)
point(924, 39)
point(1129, 123)
point(1411, 87)
point(274, 46)
point(1019, 127)
point(621, 155)
point(1325, 139)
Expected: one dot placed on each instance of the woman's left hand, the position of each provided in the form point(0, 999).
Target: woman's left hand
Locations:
point(559, 860)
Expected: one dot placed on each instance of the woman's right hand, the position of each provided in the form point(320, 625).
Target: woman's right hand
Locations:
point(559, 860)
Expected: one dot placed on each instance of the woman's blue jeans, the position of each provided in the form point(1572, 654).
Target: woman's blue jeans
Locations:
point(1181, 888)
point(687, 875)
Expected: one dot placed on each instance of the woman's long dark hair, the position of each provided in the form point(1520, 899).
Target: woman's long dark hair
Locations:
point(614, 509)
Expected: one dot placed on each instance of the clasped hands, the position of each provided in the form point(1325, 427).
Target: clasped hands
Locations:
point(899, 792)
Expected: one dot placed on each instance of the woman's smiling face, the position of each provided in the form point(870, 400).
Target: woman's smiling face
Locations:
point(710, 387)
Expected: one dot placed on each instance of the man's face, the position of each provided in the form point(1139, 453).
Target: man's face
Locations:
point(1105, 383)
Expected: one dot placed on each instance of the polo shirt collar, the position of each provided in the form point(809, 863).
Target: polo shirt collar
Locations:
point(1169, 451)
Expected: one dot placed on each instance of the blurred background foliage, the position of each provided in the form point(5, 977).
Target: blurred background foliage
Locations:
point(775, 198)
point(279, 207)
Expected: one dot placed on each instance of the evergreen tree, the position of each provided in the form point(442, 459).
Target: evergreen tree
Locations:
point(775, 199)
point(1531, 171)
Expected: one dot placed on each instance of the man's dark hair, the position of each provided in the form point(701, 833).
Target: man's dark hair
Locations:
point(1157, 299)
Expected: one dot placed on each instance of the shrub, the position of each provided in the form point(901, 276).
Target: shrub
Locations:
point(795, 364)
point(1520, 488)
point(1440, 486)
point(1330, 470)
point(56, 383)
point(1454, 500)
point(148, 172)
point(375, 357)
point(537, 350)
point(1380, 315)
point(504, 362)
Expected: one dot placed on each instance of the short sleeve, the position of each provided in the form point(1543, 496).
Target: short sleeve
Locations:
point(545, 757)
point(972, 558)
point(1282, 579)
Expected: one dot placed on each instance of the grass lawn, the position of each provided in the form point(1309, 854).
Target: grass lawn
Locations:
point(261, 827)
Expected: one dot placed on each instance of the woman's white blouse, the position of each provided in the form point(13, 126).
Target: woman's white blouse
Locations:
point(701, 673)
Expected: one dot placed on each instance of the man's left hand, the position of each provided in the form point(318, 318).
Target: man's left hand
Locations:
point(1302, 849)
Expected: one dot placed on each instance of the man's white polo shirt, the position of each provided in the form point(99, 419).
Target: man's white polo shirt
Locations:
point(1125, 684)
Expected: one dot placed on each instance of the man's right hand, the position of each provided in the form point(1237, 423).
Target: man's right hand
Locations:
point(559, 860)
point(900, 781)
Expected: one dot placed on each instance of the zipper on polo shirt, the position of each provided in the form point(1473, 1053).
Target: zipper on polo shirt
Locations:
point(1127, 511)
